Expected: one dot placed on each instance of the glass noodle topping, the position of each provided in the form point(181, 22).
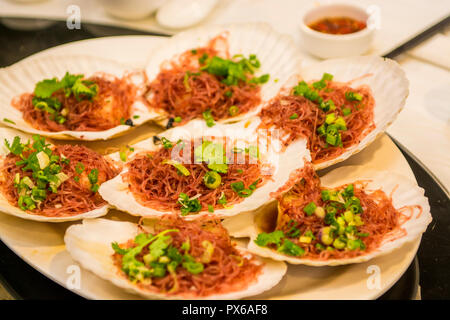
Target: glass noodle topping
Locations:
point(210, 181)
point(77, 103)
point(206, 83)
point(320, 223)
point(333, 116)
point(53, 181)
point(188, 258)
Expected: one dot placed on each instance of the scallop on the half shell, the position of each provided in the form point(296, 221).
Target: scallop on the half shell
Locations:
point(403, 192)
point(378, 81)
point(22, 77)
point(89, 243)
point(275, 167)
point(277, 54)
point(7, 207)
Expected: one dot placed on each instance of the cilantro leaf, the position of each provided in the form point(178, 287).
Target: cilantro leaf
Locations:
point(188, 205)
point(45, 88)
point(118, 249)
point(93, 176)
point(290, 248)
point(158, 247)
point(69, 79)
point(16, 147)
point(265, 239)
point(80, 89)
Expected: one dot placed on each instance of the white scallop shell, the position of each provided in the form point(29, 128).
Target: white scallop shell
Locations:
point(7, 208)
point(115, 191)
point(89, 243)
point(386, 79)
point(23, 76)
point(407, 193)
point(277, 53)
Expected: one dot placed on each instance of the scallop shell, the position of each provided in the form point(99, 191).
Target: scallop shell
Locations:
point(277, 53)
point(388, 83)
point(386, 79)
point(7, 208)
point(23, 76)
point(406, 192)
point(89, 243)
point(115, 191)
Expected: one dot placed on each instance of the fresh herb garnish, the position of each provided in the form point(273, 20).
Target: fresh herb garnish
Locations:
point(8, 121)
point(188, 205)
point(243, 192)
point(79, 168)
point(330, 129)
point(181, 169)
point(166, 143)
point(265, 239)
point(232, 71)
point(45, 167)
point(162, 257)
point(353, 96)
point(208, 118)
point(93, 179)
point(233, 110)
point(212, 180)
point(71, 85)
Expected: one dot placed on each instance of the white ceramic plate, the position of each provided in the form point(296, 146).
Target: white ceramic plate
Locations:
point(41, 245)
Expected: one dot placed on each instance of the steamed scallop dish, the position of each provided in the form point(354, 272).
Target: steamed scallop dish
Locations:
point(220, 74)
point(45, 182)
point(74, 97)
point(171, 259)
point(348, 223)
point(340, 110)
point(189, 173)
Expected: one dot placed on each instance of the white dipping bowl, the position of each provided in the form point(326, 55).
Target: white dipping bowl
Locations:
point(131, 9)
point(324, 45)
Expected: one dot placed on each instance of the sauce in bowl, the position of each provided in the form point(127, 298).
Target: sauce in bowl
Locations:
point(337, 25)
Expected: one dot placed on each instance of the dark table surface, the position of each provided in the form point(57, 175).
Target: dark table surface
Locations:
point(430, 268)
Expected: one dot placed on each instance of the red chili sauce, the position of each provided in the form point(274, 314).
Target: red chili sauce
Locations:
point(338, 25)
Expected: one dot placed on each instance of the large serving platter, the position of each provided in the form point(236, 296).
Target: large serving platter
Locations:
point(41, 244)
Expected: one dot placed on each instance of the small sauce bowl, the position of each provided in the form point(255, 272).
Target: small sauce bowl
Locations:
point(324, 45)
